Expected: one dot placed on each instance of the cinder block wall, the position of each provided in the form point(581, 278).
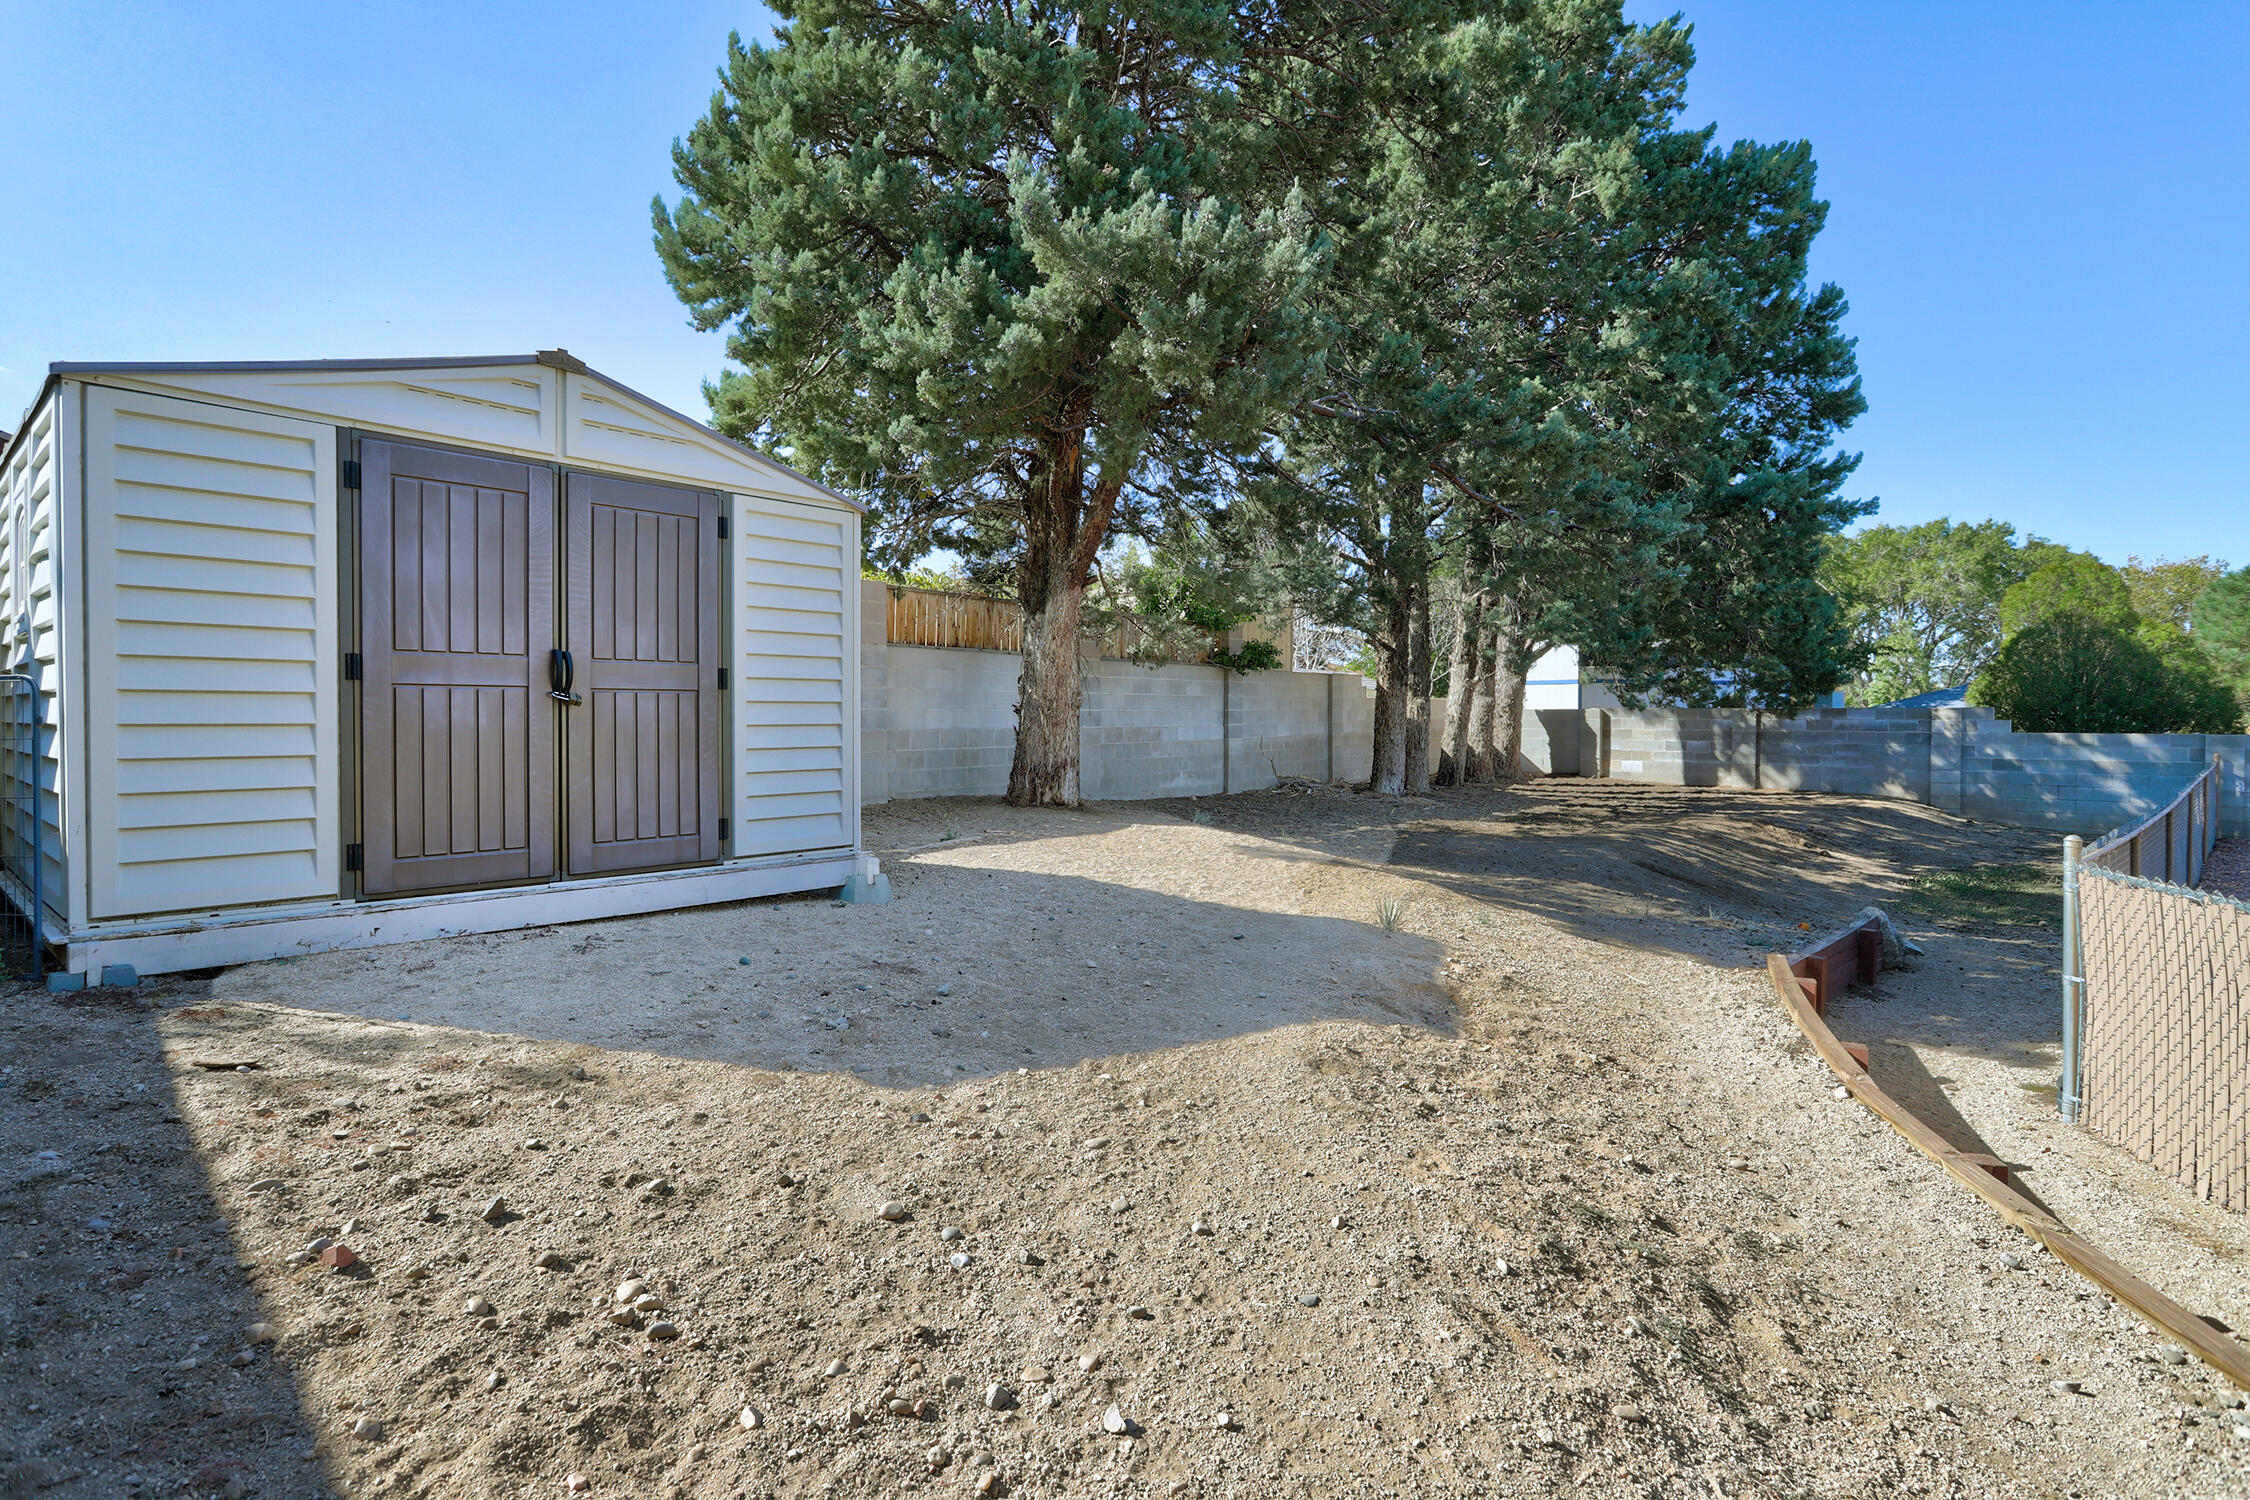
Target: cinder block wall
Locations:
point(941, 722)
point(1151, 733)
point(952, 722)
point(1861, 753)
point(1961, 759)
point(2089, 783)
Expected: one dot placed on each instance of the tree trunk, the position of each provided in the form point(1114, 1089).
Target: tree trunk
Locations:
point(1049, 695)
point(1417, 777)
point(1063, 531)
point(1461, 676)
point(1512, 656)
point(1387, 775)
point(1483, 760)
point(1507, 736)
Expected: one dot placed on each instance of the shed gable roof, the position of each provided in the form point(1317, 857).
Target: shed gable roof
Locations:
point(550, 404)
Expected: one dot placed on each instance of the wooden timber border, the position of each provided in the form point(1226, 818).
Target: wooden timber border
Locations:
point(1797, 993)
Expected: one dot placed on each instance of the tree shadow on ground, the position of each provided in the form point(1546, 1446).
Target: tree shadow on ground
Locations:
point(1723, 875)
point(127, 1323)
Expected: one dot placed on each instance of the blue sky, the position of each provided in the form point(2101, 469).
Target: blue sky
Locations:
point(2039, 214)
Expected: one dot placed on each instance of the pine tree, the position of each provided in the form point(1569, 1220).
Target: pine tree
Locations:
point(1005, 271)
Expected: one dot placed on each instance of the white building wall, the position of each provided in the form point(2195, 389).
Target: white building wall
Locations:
point(1552, 681)
point(211, 687)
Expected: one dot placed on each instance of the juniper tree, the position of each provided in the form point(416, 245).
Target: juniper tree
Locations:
point(1008, 271)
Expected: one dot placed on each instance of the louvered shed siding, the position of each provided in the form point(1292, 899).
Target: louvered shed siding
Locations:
point(30, 499)
point(212, 656)
point(795, 694)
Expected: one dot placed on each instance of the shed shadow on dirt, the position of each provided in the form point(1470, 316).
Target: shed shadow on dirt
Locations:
point(976, 968)
point(124, 1311)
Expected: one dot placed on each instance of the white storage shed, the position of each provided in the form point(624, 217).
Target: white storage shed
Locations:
point(343, 652)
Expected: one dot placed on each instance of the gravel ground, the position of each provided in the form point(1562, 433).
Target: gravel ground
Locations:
point(1297, 1144)
point(2227, 869)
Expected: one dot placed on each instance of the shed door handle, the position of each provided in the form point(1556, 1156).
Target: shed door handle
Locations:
point(561, 673)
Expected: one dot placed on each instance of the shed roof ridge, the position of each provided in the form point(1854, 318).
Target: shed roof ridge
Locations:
point(559, 359)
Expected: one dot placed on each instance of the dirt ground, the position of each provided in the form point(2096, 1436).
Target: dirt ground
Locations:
point(1297, 1143)
point(2227, 870)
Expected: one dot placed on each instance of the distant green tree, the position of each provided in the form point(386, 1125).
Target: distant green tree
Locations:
point(2222, 628)
point(2072, 583)
point(2071, 673)
point(2166, 590)
point(1924, 601)
point(2083, 663)
point(2202, 698)
point(1168, 602)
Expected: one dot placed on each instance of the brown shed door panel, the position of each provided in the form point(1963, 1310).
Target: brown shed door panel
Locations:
point(456, 621)
point(643, 603)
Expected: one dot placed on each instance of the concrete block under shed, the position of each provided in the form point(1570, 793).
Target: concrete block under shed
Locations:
point(865, 890)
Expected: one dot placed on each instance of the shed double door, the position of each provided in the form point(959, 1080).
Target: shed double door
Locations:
point(494, 712)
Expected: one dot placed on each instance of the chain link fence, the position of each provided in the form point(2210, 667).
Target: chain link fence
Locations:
point(22, 826)
point(2156, 987)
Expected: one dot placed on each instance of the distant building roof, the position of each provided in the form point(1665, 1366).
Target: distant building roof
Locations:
point(1952, 697)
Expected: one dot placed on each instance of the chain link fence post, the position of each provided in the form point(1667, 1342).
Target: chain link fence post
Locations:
point(2073, 983)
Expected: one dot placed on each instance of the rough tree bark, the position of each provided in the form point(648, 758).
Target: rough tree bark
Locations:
point(1417, 774)
point(1481, 756)
point(1511, 663)
point(1063, 530)
point(1387, 776)
point(1461, 678)
point(1507, 738)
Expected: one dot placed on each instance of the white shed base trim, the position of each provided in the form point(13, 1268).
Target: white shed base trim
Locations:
point(208, 942)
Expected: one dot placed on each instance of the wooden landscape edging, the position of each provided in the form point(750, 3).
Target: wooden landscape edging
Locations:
point(2214, 1348)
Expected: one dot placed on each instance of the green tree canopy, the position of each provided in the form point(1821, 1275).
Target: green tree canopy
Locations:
point(1924, 601)
point(1006, 270)
point(2201, 697)
point(2069, 583)
point(2074, 672)
point(2222, 627)
point(1579, 365)
point(1493, 262)
point(2166, 591)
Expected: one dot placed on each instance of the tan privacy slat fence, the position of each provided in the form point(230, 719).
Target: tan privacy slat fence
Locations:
point(2156, 984)
point(2167, 1039)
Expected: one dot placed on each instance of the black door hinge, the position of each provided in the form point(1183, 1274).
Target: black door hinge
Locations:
point(722, 528)
point(722, 679)
point(351, 666)
point(354, 856)
point(351, 473)
point(724, 825)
